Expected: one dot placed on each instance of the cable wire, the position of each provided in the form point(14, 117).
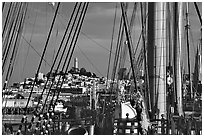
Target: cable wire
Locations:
point(46, 44)
point(109, 61)
point(89, 61)
point(61, 58)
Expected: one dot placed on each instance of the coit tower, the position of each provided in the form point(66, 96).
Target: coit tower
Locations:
point(75, 63)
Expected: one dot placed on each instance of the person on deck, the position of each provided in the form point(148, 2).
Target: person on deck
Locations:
point(138, 104)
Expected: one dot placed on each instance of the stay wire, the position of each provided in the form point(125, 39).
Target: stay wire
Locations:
point(136, 61)
point(7, 19)
point(8, 27)
point(29, 44)
point(145, 59)
point(94, 41)
point(89, 61)
point(36, 75)
point(132, 21)
point(117, 51)
point(55, 59)
point(88, 37)
point(5, 57)
point(68, 39)
point(17, 39)
point(104, 103)
point(131, 27)
point(59, 63)
point(82, 19)
point(13, 56)
point(9, 64)
point(20, 36)
point(198, 12)
point(120, 45)
point(129, 39)
point(65, 71)
point(3, 4)
point(123, 56)
point(24, 65)
point(113, 31)
point(46, 44)
point(8, 70)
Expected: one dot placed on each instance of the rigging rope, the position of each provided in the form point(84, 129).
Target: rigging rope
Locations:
point(18, 38)
point(124, 48)
point(8, 28)
point(62, 57)
point(109, 61)
point(104, 103)
point(98, 44)
point(24, 65)
point(54, 61)
point(145, 60)
point(88, 37)
point(79, 25)
point(68, 25)
point(138, 59)
point(12, 46)
point(3, 4)
point(187, 27)
point(118, 47)
point(77, 35)
point(198, 12)
point(132, 21)
point(38, 69)
point(6, 21)
point(123, 56)
point(89, 61)
point(29, 44)
point(16, 45)
point(46, 44)
point(5, 56)
point(81, 18)
point(129, 39)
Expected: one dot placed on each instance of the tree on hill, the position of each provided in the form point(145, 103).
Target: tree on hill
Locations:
point(88, 74)
point(82, 71)
point(94, 75)
point(72, 70)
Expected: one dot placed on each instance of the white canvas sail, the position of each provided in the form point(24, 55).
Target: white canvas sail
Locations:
point(127, 109)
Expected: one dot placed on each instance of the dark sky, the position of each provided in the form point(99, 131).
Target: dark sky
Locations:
point(98, 26)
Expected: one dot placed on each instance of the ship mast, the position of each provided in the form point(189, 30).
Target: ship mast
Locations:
point(150, 54)
point(178, 61)
point(160, 56)
point(187, 27)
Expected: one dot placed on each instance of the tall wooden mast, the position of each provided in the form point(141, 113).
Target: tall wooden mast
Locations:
point(187, 27)
point(151, 53)
point(160, 57)
point(178, 60)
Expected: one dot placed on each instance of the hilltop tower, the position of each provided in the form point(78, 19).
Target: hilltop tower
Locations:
point(76, 63)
